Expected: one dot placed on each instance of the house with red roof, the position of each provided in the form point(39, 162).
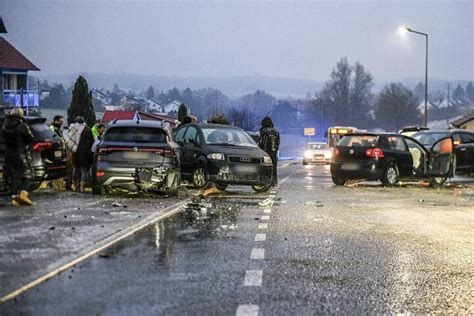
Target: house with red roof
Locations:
point(14, 67)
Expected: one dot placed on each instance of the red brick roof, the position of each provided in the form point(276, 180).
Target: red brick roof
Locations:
point(11, 58)
point(119, 115)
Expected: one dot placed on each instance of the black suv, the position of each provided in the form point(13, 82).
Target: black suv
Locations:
point(463, 146)
point(137, 155)
point(47, 152)
point(222, 154)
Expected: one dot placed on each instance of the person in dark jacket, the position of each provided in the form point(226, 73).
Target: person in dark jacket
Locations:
point(18, 136)
point(79, 141)
point(270, 142)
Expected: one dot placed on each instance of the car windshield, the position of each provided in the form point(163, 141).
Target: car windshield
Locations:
point(428, 139)
point(227, 136)
point(357, 140)
point(135, 135)
point(317, 146)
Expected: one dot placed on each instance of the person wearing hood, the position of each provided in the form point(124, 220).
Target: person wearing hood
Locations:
point(270, 142)
point(79, 141)
point(18, 162)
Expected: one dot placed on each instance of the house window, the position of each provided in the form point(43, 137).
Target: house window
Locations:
point(14, 81)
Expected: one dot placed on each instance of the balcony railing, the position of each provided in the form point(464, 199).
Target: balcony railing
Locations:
point(25, 98)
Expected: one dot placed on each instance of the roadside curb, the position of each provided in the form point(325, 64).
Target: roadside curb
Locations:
point(97, 247)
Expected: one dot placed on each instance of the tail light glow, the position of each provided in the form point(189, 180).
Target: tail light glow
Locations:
point(374, 153)
point(42, 146)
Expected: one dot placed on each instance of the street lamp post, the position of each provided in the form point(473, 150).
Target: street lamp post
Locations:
point(426, 72)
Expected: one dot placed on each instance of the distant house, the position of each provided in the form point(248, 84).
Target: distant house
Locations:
point(14, 67)
point(101, 96)
point(172, 106)
point(158, 117)
point(153, 106)
point(465, 122)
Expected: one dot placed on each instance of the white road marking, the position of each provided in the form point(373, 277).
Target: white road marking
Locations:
point(267, 210)
point(253, 278)
point(260, 237)
point(257, 254)
point(265, 218)
point(272, 196)
point(247, 310)
point(262, 226)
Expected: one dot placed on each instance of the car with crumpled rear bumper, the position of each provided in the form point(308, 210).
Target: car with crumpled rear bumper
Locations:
point(222, 155)
point(389, 158)
point(137, 155)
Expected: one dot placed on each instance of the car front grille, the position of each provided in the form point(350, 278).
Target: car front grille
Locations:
point(241, 159)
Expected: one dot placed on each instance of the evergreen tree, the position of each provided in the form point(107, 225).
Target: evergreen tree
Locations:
point(150, 93)
point(458, 93)
point(81, 103)
point(182, 112)
point(470, 91)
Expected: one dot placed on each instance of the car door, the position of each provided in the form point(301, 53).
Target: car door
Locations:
point(191, 149)
point(467, 151)
point(440, 158)
point(402, 156)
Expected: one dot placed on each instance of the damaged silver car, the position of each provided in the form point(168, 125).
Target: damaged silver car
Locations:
point(137, 155)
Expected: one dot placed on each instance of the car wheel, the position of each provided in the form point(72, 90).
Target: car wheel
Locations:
point(390, 176)
point(437, 182)
point(338, 180)
point(221, 186)
point(200, 177)
point(261, 188)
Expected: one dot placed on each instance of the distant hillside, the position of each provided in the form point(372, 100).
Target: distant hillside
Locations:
point(232, 86)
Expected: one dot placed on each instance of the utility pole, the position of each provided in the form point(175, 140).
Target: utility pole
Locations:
point(447, 116)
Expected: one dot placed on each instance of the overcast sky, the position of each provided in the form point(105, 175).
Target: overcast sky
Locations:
point(290, 39)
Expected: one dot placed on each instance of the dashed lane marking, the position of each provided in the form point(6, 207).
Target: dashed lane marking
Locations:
point(257, 254)
point(267, 210)
point(260, 237)
point(262, 226)
point(253, 278)
point(247, 310)
point(265, 218)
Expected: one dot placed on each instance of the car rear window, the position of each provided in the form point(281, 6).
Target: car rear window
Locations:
point(135, 135)
point(358, 140)
point(41, 132)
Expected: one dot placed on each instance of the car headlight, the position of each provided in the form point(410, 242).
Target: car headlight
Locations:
point(308, 155)
point(267, 160)
point(216, 156)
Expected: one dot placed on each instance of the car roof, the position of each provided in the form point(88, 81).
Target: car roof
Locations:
point(30, 119)
point(135, 123)
point(444, 131)
point(210, 125)
point(373, 134)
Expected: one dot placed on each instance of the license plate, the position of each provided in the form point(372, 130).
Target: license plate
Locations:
point(58, 154)
point(245, 169)
point(136, 155)
point(350, 166)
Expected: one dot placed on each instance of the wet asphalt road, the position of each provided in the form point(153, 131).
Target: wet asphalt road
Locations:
point(356, 249)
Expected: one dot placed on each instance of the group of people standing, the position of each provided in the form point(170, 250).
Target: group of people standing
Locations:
point(79, 143)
